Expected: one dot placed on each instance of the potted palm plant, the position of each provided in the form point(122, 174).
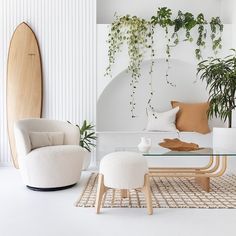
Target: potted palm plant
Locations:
point(220, 76)
point(87, 139)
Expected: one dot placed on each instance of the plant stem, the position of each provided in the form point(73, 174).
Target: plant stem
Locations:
point(230, 120)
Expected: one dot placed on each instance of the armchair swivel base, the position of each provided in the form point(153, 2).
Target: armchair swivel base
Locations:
point(50, 189)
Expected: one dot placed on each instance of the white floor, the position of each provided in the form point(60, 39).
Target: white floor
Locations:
point(28, 213)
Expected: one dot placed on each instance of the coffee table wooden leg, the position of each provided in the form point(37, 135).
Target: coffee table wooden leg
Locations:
point(204, 182)
point(101, 189)
point(147, 191)
point(124, 193)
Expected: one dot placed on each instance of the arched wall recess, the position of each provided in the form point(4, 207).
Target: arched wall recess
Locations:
point(146, 62)
point(113, 112)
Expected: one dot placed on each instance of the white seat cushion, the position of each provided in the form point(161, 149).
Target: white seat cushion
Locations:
point(55, 151)
point(53, 166)
point(124, 170)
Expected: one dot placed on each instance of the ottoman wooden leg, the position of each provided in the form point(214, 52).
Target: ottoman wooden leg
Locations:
point(147, 191)
point(101, 189)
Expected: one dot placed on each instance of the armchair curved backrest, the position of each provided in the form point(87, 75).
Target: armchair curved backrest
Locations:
point(23, 127)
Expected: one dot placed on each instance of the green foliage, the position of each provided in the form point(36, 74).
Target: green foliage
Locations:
point(220, 76)
point(139, 33)
point(87, 135)
point(216, 31)
point(202, 34)
point(184, 21)
point(163, 19)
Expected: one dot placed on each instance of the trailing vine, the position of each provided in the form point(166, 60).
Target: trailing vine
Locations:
point(163, 19)
point(151, 92)
point(216, 32)
point(138, 35)
point(202, 33)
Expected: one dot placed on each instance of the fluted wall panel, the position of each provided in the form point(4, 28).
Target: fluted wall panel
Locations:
point(66, 31)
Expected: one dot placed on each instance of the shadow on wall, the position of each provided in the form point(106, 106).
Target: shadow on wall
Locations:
point(113, 110)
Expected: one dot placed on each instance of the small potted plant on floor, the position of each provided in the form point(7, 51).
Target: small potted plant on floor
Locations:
point(87, 139)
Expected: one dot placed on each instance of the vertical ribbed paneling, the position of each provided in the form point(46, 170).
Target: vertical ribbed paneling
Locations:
point(3, 143)
point(66, 31)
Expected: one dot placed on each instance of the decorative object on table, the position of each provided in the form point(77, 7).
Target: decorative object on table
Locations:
point(145, 145)
point(162, 121)
point(167, 192)
point(192, 117)
point(220, 76)
point(139, 34)
point(178, 145)
point(224, 140)
point(87, 139)
point(48, 168)
point(24, 73)
point(124, 171)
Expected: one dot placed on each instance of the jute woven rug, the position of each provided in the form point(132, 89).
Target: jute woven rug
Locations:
point(167, 193)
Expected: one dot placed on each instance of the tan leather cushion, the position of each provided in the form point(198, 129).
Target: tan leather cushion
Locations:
point(192, 117)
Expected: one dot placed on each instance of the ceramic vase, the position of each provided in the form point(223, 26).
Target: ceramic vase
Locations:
point(145, 145)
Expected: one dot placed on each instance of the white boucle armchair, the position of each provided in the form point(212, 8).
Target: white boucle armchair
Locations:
point(50, 167)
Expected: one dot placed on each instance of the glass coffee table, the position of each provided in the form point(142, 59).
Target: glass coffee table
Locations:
point(216, 166)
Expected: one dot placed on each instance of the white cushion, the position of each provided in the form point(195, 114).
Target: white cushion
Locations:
point(162, 121)
point(43, 139)
point(124, 170)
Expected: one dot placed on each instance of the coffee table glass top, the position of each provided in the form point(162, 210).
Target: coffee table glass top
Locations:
point(159, 151)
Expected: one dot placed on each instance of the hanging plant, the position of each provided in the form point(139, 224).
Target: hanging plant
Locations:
point(189, 24)
point(151, 91)
point(116, 38)
point(138, 34)
point(202, 33)
point(178, 24)
point(163, 19)
point(216, 32)
point(184, 21)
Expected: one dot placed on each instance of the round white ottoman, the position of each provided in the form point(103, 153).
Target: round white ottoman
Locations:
point(123, 170)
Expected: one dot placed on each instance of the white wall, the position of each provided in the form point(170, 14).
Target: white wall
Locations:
point(66, 31)
point(233, 8)
point(145, 9)
point(227, 11)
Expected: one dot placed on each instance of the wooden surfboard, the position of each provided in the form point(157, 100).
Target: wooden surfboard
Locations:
point(24, 81)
